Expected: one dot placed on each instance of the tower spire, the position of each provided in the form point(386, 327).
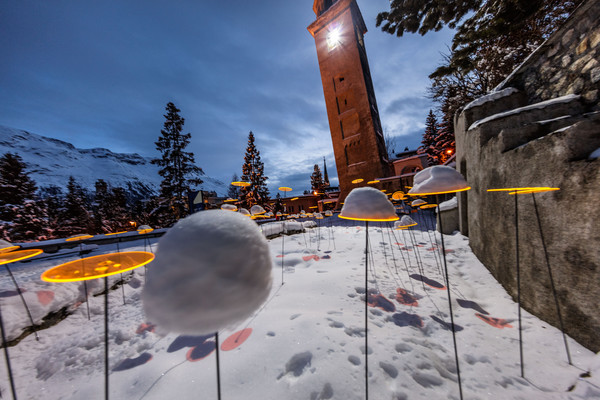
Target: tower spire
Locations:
point(325, 176)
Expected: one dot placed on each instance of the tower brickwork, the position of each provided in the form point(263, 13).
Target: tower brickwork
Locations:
point(354, 122)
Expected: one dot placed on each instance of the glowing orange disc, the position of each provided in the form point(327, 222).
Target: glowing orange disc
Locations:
point(398, 195)
point(230, 200)
point(240, 184)
point(236, 339)
point(9, 249)
point(525, 190)
point(373, 182)
point(359, 180)
point(19, 255)
point(143, 231)
point(285, 189)
point(295, 198)
point(534, 190)
point(78, 237)
point(97, 266)
point(114, 233)
point(426, 206)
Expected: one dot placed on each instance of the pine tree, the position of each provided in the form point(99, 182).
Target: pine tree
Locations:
point(177, 166)
point(74, 218)
point(253, 173)
point(234, 191)
point(495, 38)
point(444, 142)
point(278, 205)
point(100, 205)
point(15, 185)
point(428, 144)
point(316, 180)
point(30, 222)
point(110, 208)
point(21, 209)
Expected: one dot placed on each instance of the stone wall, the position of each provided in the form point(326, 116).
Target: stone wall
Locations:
point(566, 63)
point(539, 129)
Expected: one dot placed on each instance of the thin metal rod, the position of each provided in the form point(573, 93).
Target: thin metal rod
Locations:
point(366, 311)
point(87, 300)
point(560, 320)
point(282, 251)
point(218, 367)
point(7, 358)
point(106, 396)
point(85, 288)
point(23, 300)
point(449, 301)
point(519, 286)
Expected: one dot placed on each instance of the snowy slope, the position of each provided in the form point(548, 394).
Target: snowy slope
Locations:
point(306, 342)
point(51, 162)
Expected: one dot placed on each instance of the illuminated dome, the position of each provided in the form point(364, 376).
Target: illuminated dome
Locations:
point(437, 180)
point(368, 204)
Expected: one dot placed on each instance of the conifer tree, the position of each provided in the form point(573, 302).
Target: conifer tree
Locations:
point(74, 218)
point(234, 191)
point(177, 166)
point(15, 185)
point(316, 180)
point(100, 205)
point(253, 173)
point(445, 146)
point(430, 138)
point(278, 206)
point(22, 212)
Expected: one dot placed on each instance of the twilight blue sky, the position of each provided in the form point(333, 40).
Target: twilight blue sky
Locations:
point(99, 74)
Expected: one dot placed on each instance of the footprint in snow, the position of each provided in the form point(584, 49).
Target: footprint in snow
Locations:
point(406, 319)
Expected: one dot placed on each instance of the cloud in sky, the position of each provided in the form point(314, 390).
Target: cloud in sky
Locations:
point(99, 74)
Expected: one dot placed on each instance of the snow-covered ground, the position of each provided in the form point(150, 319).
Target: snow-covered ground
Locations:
point(306, 342)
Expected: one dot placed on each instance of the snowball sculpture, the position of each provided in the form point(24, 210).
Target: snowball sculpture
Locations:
point(437, 180)
point(328, 213)
point(257, 210)
point(245, 212)
point(212, 269)
point(418, 202)
point(228, 207)
point(318, 216)
point(368, 204)
point(405, 222)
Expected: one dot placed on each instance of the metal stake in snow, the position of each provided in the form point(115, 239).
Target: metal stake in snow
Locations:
point(515, 192)
point(101, 266)
point(438, 180)
point(437, 200)
point(367, 204)
point(560, 320)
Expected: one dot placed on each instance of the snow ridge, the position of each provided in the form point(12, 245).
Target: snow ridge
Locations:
point(50, 162)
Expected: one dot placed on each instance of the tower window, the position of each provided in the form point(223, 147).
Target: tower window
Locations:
point(342, 129)
point(341, 78)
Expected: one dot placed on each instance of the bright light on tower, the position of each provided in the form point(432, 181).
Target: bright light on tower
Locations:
point(334, 37)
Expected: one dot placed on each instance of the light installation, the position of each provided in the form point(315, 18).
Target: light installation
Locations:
point(5, 259)
point(516, 191)
point(437, 180)
point(367, 204)
point(94, 267)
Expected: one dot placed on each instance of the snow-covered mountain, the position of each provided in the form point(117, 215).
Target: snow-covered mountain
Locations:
point(51, 162)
